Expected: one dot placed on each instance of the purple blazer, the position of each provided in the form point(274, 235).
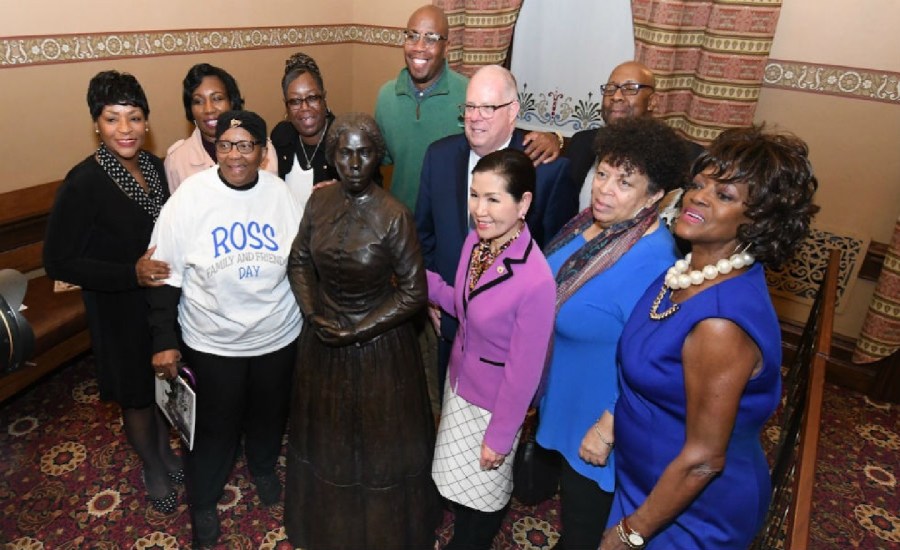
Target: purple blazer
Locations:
point(505, 325)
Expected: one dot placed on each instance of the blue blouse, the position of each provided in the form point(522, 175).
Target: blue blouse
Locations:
point(582, 381)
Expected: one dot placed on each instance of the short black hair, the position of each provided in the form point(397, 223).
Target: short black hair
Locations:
point(648, 146)
point(298, 64)
point(115, 88)
point(353, 121)
point(781, 185)
point(195, 76)
point(514, 167)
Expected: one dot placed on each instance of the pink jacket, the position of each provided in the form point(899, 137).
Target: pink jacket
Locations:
point(505, 325)
point(186, 157)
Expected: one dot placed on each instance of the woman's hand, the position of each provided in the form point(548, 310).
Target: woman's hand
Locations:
point(611, 540)
point(434, 314)
point(151, 272)
point(597, 442)
point(165, 363)
point(490, 460)
point(323, 184)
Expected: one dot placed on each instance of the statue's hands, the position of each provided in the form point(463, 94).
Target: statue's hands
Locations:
point(331, 333)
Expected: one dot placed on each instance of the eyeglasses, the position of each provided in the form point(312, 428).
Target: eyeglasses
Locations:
point(243, 147)
point(486, 111)
point(312, 101)
point(628, 88)
point(431, 38)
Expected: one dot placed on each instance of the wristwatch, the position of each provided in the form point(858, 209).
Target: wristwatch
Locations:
point(629, 536)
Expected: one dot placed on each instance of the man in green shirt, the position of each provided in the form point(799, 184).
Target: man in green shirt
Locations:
point(421, 105)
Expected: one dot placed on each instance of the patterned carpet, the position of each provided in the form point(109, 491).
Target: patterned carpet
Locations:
point(69, 480)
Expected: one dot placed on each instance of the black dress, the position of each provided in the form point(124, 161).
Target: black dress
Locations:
point(361, 433)
point(95, 236)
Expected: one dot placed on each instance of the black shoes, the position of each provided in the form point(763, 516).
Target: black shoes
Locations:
point(268, 487)
point(176, 477)
point(206, 528)
point(164, 505)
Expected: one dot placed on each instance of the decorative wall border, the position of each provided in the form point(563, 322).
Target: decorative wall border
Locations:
point(847, 82)
point(24, 51)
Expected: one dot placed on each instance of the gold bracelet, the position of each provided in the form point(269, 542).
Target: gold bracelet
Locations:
point(560, 139)
point(600, 435)
point(622, 537)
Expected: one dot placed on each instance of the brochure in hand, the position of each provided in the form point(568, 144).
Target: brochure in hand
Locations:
point(178, 402)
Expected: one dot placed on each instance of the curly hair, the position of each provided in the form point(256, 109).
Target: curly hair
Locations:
point(298, 64)
point(648, 146)
point(115, 88)
point(195, 76)
point(353, 121)
point(781, 185)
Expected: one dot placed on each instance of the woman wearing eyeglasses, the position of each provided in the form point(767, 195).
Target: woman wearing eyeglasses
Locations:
point(300, 140)
point(207, 92)
point(226, 235)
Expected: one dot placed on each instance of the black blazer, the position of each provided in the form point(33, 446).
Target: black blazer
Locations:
point(442, 207)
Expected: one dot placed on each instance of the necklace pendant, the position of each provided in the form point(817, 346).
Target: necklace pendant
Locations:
point(655, 314)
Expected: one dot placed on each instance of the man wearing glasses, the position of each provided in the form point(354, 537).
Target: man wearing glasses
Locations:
point(420, 105)
point(630, 91)
point(442, 218)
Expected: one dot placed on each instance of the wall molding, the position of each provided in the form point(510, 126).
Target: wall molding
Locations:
point(846, 82)
point(26, 51)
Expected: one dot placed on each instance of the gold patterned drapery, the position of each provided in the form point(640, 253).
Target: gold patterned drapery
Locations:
point(480, 32)
point(880, 335)
point(709, 57)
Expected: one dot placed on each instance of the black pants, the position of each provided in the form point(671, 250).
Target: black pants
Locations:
point(585, 509)
point(474, 529)
point(236, 395)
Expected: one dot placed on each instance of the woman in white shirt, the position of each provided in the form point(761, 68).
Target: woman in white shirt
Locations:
point(227, 237)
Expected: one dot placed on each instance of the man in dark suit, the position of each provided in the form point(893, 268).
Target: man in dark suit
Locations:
point(442, 213)
point(630, 91)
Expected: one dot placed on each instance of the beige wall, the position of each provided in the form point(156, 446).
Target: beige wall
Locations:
point(43, 106)
point(98, 16)
point(853, 142)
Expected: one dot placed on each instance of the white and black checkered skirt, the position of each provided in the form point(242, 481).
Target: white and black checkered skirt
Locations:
point(456, 470)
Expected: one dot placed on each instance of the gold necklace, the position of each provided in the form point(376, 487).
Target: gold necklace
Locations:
point(655, 307)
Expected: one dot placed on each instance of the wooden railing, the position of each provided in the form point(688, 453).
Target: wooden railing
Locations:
point(793, 471)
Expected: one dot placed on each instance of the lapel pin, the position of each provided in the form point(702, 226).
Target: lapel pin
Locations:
point(501, 270)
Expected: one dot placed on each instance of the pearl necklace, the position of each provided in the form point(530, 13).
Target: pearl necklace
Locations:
point(678, 277)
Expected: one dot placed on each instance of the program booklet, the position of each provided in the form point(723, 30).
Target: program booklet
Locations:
point(178, 402)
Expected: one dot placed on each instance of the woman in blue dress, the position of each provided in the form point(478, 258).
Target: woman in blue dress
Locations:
point(700, 355)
